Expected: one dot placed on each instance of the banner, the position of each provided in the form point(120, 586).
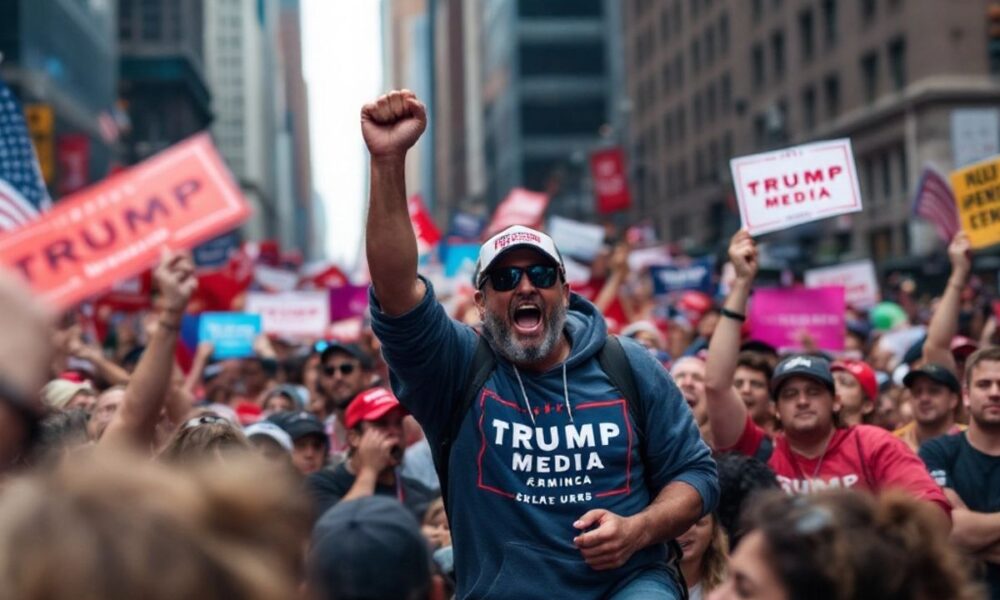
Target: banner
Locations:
point(520, 207)
point(781, 189)
point(575, 239)
point(857, 278)
point(423, 225)
point(780, 316)
point(320, 276)
point(73, 157)
point(466, 226)
point(676, 278)
point(273, 279)
point(232, 334)
point(975, 134)
point(607, 168)
point(460, 259)
point(117, 228)
point(292, 314)
point(348, 301)
point(644, 258)
point(977, 192)
point(215, 252)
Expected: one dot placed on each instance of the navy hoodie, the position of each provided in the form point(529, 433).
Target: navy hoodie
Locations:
point(516, 486)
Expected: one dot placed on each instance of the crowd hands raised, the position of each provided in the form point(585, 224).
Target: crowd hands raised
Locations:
point(872, 472)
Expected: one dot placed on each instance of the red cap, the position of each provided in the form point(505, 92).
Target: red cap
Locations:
point(248, 412)
point(862, 372)
point(371, 405)
point(962, 346)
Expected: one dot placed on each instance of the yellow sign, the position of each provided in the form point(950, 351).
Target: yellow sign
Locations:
point(977, 192)
point(41, 125)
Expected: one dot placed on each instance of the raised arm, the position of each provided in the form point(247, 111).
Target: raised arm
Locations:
point(619, 271)
point(390, 126)
point(944, 321)
point(727, 413)
point(135, 422)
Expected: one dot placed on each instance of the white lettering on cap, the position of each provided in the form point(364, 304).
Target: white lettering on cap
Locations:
point(798, 361)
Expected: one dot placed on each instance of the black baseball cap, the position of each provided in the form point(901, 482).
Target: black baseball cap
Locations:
point(802, 365)
point(352, 350)
point(299, 424)
point(369, 548)
point(935, 373)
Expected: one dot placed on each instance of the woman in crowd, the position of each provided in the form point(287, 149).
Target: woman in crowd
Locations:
point(705, 549)
point(844, 546)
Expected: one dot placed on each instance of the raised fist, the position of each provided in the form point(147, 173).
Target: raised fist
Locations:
point(392, 124)
point(743, 255)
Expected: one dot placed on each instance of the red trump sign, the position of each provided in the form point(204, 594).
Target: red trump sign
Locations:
point(607, 168)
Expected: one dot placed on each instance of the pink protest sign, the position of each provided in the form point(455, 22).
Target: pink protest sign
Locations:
point(348, 301)
point(780, 317)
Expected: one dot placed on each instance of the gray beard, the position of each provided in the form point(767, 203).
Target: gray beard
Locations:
point(504, 342)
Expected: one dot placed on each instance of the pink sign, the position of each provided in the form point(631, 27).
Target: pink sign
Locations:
point(782, 316)
point(348, 301)
point(520, 207)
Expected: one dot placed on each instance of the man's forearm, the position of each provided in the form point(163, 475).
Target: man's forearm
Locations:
point(973, 531)
point(672, 512)
point(364, 485)
point(391, 245)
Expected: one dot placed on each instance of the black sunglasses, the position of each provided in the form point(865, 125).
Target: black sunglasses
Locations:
point(345, 369)
point(505, 279)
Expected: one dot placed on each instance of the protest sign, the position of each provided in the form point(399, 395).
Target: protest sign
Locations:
point(117, 228)
point(423, 225)
point(697, 275)
point(977, 192)
point(607, 169)
point(857, 278)
point(232, 334)
point(466, 226)
point(460, 259)
point(975, 134)
point(292, 314)
point(348, 301)
point(644, 258)
point(781, 189)
point(520, 207)
point(575, 239)
point(780, 316)
point(216, 252)
point(273, 279)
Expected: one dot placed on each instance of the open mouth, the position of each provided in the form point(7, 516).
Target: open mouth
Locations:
point(528, 319)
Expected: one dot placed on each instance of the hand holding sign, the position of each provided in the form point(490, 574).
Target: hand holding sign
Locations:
point(392, 124)
point(960, 254)
point(743, 255)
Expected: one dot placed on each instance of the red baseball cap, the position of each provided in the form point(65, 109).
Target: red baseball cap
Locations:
point(962, 346)
point(371, 405)
point(862, 372)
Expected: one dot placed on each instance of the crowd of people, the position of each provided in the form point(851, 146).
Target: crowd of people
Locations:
point(534, 441)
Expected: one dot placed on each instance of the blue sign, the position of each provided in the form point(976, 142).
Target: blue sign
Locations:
point(215, 252)
point(459, 258)
point(231, 333)
point(466, 226)
point(695, 276)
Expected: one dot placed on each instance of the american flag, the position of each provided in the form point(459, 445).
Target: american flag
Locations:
point(935, 202)
point(22, 189)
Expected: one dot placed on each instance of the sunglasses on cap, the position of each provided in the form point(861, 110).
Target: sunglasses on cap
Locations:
point(345, 369)
point(504, 279)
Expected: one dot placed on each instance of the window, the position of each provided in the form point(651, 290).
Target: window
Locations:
point(665, 25)
point(709, 43)
point(760, 131)
point(694, 8)
point(696, 108)
point(726, 94)
point(809, 108)
point(886, 169)
point(562, 8)
point(806, 41)
point(681, 124)
point(868, 177)
point(897, 63)
point(710, 106)
point(667, 78)
point(831, 90)
point(714, 164)
point(904, 171)
point(757, 66)
point(727, 146)
point(724, 35)
point(758, 10)
point(869, 76)
point(679, 71)
point(569, 57)
point(678, 17)
point(545, 118)
point(830, 22)
point(695, 57)
point(668, 129)
point(778, 53)
point(699, 166)
point(868, 10)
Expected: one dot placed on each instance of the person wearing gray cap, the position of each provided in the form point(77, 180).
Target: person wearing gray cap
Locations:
point(812, 452)
point(568, 458)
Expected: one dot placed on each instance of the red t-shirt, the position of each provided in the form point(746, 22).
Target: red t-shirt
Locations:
point(615, 315)
point(860, 456)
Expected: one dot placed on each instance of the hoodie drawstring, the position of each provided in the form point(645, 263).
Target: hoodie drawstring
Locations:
point(527, 403)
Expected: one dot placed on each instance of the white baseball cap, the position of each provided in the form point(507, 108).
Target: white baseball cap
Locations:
point(270, 430)
point(516, 236)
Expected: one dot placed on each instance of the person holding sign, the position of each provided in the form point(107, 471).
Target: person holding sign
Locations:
point(561, 478)
point(812, 453)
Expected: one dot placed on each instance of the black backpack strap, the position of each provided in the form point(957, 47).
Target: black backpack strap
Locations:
point(616, 366)
point(483, 364)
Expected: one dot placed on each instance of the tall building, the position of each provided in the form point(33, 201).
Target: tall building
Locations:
point(61, 60)
point(548, 92)
point(245, 58)
point(710, 80)
point(162, 72)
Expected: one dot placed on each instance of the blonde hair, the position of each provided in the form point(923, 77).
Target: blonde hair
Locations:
point(205, 434)
point(116, 527)
point(715, 559)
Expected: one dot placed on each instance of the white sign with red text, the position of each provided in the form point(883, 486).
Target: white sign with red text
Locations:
point(293, 314)
point(857, 278)
point(781, 189)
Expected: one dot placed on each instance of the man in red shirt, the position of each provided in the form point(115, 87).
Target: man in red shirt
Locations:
point(812, 453)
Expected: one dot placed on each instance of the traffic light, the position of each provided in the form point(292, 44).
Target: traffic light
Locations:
point(993, 36)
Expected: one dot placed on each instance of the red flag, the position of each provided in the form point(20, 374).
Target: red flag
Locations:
point(520, 207)
point(73, 154)
point(935, 202)
point(607, 167)
point(423, 226)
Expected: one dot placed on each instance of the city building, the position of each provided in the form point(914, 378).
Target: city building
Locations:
point(162, 77)
point(60, 59)
point(710, 80)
